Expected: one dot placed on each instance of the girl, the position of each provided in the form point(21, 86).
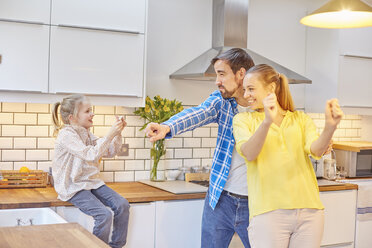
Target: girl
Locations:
point(76, 168)
point(275, 140)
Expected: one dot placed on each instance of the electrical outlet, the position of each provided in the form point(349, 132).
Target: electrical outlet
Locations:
point(124, 151)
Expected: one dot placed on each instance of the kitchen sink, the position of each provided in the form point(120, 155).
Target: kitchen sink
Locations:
point(29, 216)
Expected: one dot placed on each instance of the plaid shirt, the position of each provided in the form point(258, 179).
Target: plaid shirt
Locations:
point(215, 109)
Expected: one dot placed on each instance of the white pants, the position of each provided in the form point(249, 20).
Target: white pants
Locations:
point(282, 228)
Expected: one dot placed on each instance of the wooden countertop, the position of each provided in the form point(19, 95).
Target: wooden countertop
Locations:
point(354, 146)
point(134, 192)
point(70, 235)
point(47, 197)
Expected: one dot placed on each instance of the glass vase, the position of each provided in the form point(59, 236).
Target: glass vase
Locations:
point(157, 154)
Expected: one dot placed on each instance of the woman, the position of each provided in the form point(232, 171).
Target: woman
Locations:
point(276, 142)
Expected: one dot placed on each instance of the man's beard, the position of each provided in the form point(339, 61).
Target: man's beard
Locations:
point(226, 93)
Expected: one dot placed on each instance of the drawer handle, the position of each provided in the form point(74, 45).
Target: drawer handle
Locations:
point(88, 94)
point(357, 56)
point(21, 21)
point(101, 29)
point(347, 106)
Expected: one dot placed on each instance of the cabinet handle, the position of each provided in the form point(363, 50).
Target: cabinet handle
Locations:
point(357, 56)
point(346, 106)
point(21, 21)
point(101, 29)
point(87, 94)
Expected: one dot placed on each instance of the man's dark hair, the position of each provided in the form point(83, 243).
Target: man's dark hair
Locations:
point(236, 58)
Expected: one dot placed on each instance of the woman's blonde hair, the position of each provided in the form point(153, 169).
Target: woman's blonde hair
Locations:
point(268, 76)
point(69, 106)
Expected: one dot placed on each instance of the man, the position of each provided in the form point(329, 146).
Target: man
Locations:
point(226, 203)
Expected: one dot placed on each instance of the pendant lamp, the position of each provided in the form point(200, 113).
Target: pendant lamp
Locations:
point(340, 14)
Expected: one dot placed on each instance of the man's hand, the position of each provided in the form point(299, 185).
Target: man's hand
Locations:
point(156, 131)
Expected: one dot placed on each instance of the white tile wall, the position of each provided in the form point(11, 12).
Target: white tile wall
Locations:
point(26, 119)
point(25, 143)
point(26, 140)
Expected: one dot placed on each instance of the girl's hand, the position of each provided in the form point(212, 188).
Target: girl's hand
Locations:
point(333, 113)
point(117, 127)
point(121, 118)
point(270, 107)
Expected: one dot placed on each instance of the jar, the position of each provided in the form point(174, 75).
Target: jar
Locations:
point(183, 171)
point(330, 167)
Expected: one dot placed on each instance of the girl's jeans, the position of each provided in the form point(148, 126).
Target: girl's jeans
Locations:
point(93, 202)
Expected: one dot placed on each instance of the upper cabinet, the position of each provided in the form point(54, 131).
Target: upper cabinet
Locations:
point(24, 55)
point(122, 16)
point(91, 47)
point(339, 62)
point(24, 49)
point(30, 11)
point(96, 62)
point(356, 42)
point(97, 47)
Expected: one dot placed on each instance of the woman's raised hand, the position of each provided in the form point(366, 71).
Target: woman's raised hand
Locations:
point(333, 113)
point(270, 107)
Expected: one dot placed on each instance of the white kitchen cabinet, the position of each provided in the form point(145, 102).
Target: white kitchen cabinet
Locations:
point(96, 62)
point(356, 41)
point(141, 232)
point(92, 47)
point(178, 223)
point(355, 78)
point(31, 11)
point(335, 75)
point(339, 218)
point(24, 54)
point(123, 15)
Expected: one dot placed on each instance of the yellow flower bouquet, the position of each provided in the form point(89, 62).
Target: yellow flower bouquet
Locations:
point(157, 110)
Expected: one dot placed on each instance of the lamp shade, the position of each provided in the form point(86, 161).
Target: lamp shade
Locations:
point(340, 14)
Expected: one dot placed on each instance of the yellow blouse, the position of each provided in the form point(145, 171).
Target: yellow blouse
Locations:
point(282, 176)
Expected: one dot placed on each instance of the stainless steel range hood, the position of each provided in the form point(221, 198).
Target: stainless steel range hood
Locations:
point(230, 28)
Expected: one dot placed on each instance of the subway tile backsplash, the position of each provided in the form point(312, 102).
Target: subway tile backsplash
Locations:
point(26, 139)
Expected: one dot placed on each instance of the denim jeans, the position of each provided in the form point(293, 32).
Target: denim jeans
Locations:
point(230, 215)
point(93, 203)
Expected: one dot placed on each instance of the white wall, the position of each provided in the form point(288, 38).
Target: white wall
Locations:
point(275, 32)
point(181, 30)
point(178, 32)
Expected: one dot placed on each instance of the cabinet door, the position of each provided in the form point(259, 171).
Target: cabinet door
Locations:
point(24, 54)
point(141, 227)
point(178, 223)
point(36, 11)
point(339, 217)
point(355, 78)
point(356, 41)
point(124, 15)
point(96, 62)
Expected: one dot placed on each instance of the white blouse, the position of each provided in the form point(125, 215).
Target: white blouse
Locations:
point(76, 160)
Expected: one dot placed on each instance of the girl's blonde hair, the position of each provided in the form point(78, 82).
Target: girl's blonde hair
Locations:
point(269, 75)
point(69, 106)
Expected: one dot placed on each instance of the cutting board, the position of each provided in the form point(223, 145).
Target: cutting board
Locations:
point(177, 186)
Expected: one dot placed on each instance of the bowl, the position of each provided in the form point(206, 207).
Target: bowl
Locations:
point(172, 174)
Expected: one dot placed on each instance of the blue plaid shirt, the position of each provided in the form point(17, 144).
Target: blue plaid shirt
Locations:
point(215, 109)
